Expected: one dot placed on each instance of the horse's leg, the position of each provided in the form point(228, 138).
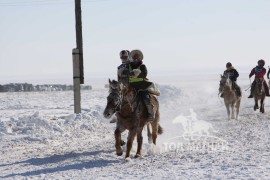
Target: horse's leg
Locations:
point(118, 141)
point(256, 104)
point(228, 110)
point(149, 134)
point(237, 106)
point(156, 129)
point(139, 141)
point(232, 108)
point(262, 105)
point(131, 136)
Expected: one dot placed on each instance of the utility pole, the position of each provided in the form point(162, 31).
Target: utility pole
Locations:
point(79, 40)
point(77, 54)
point(76, 81)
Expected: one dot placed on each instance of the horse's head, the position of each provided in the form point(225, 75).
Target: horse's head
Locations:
point(225, 82)
point(113, 99)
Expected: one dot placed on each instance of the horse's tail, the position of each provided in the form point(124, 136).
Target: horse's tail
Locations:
point(160, 129)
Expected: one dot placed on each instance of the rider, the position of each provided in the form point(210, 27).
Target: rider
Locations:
point(124, 56)
point(259, 72)
point(137, 73)
point(233, 75)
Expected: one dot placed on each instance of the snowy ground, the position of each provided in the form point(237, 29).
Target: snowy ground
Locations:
point(41, 138)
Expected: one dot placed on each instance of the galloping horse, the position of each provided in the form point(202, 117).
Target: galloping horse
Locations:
point(231, 100)
point(259, 94)
point(131, 114)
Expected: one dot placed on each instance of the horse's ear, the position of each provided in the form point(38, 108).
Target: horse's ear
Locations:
point(110, 82)
point(221, 75)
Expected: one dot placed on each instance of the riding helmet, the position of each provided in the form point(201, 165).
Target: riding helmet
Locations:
point(261, 62)
point(228, 65)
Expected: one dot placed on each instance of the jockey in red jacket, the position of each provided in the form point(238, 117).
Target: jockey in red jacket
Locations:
point(259, 72)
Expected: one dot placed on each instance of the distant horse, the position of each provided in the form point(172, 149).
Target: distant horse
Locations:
point(231, 100)
point(259, 94)
point(131, 114)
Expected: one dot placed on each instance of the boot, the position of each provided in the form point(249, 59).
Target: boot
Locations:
point(250, 96)
point(238, 91)
point(150, 116)
point(148, 105)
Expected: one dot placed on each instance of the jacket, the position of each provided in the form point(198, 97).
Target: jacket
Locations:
point(258, 71)
point(137, 75)
point(233, 73)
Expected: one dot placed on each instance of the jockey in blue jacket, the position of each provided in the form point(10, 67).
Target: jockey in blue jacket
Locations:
point(233, 75)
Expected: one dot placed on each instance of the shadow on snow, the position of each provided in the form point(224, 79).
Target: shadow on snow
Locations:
point(58, 158)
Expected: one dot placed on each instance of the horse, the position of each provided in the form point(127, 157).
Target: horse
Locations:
point(231, 100)
point(259, 94)
point(131, 115)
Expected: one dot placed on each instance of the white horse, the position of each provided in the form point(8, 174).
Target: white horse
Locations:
point(231, 100)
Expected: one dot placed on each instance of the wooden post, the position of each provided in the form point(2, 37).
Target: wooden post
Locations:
point(76, 81)
point(79, 40)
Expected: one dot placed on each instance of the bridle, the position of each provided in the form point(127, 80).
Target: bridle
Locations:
point(117, 106)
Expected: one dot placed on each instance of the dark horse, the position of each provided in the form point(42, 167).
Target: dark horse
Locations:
point(131, 114)
point(259, 94)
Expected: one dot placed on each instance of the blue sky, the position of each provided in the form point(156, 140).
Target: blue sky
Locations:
point(176, 36)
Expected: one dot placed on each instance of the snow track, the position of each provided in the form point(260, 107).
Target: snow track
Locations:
point(40, 138)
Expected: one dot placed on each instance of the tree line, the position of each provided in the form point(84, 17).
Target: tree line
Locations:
point(25, 87)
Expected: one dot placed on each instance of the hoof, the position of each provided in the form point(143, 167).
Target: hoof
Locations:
point(123, 143)
point(119, 153)
point(128, 159)
point(114, 120)
point(138, 156)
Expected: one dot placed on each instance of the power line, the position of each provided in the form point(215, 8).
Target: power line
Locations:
point(45, 2)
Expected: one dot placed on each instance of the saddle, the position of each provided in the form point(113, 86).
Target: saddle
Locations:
point(153, 90)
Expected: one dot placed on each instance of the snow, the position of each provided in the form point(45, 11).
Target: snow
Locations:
point(41, 138)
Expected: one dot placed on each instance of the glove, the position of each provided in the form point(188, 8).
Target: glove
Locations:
point(136, 72)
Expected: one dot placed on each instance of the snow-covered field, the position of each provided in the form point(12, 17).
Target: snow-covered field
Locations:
point(41, 138)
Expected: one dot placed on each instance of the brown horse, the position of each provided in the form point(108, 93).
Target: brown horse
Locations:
point(259, 94)
point(131, 114)
point(231, 100)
